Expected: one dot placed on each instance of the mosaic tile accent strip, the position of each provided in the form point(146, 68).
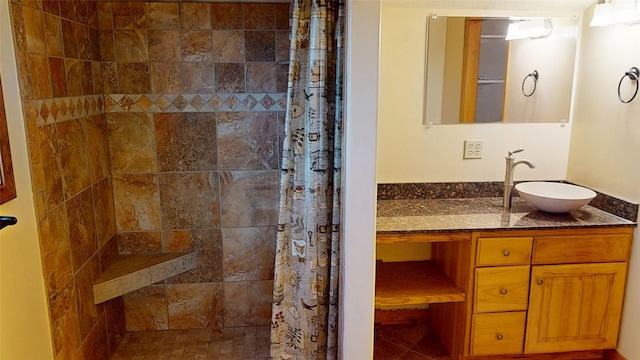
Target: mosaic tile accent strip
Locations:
point(164, 103)
point(68, 108)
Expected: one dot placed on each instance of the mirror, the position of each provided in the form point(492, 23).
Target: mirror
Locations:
point(475, 75)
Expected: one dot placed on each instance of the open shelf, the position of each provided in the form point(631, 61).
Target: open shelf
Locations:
point(413, 285)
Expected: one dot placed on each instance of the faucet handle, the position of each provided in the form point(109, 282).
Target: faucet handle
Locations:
point(515, 151)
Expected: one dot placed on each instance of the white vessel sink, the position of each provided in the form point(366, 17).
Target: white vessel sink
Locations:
point(554, 197)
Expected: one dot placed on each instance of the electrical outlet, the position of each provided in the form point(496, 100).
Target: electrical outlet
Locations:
point(473, 149)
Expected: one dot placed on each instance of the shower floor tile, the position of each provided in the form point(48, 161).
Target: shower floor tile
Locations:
point(240, 343)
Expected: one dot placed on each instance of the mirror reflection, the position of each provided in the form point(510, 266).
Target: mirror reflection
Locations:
point(499, 70)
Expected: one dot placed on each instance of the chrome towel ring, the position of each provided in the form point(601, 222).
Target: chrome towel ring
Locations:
point(633, 74)
point(533, 75)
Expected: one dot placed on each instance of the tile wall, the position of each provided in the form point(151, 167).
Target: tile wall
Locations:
point(59, 60)
point(194, 94)
point(153, 127)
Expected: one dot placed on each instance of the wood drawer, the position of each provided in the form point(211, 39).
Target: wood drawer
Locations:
point(504, 251)
point(504, 288)
point(499, 333)
point(568, 249)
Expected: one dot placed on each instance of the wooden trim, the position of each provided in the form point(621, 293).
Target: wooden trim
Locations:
point(470, 67)
point(613, 355)
point(422, 238)
point(7, 182)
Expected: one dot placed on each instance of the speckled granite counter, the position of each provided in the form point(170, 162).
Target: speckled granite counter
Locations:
point(484, 213)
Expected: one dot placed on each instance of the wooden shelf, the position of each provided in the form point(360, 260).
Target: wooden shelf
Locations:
point(135, 271)
point(413, 285)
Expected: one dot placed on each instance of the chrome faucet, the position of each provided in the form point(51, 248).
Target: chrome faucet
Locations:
point(508, 176)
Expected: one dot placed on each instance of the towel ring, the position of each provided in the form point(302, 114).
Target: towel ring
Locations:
point(534, 76)
point(633, 74)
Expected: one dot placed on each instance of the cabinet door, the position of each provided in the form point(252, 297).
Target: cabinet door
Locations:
point(574, 307)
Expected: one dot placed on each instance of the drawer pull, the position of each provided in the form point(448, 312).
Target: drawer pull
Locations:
point(540, 282)
point(503, 291)
point(499, 336)
point(506, 252)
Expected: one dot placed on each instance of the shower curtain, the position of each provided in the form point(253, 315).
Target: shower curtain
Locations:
point(304, 320)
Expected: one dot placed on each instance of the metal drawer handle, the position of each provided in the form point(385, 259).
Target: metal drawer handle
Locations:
point(503, 291)
point(540, 282)
point(506, 252)
point(499, 336)
point(7, 220)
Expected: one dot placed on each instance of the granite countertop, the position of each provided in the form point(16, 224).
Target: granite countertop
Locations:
point(484, 213)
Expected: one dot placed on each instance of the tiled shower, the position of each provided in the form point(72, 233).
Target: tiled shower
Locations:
point(153, 127)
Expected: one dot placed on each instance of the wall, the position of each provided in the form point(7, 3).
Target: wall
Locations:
point(554, 58)
point(57, 53)
point(25, 332)
point(195, 94)
point(439, 148)
point(606, 140)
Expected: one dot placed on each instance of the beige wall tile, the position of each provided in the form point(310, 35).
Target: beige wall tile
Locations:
point(226, 16)
point(105, 211)
point(88, 313)
point(259, 16)
point(54, 195)
point(65, 322)
point(82, 228)
point(74, 159)
point(98, 147)
point(146, 309)
point(53, 35)
point(34, 26)
point(163, 15)
point(249, 198)
point(195, 15)
point(196, 45)
point(189, 200)
point(195, 306)
point(139, 242)
point(184, 142)
point(207, 244)
point(228, 46)
point(132, 143)
point(164, 45)
point(248, 140)
point(131, 45)
point(248, 303)
point(137, 202)
point(249, 253)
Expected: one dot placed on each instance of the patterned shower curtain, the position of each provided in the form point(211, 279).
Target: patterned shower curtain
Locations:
point(304, 320)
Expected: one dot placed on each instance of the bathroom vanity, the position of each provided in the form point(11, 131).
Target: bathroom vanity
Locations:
point(506, 284)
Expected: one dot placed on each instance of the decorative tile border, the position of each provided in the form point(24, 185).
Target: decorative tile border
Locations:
point(195, 102)
point(68, 108)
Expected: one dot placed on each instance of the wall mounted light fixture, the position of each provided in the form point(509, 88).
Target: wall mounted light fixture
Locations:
point(612, 12)
point(531, 29)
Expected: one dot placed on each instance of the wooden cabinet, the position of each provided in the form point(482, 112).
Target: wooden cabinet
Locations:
point(569, 285)
point(513, 293)
point(575, 307)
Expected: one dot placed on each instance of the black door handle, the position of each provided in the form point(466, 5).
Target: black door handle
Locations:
point(6, 221)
